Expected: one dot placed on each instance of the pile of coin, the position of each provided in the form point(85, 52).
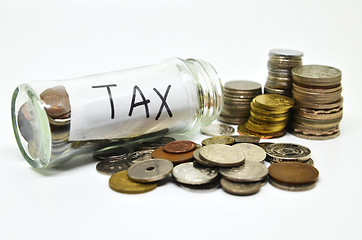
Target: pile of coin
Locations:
point(288, 152)
point(280, 64)
point(237, 98)
point(269, 116)
point(318, 102)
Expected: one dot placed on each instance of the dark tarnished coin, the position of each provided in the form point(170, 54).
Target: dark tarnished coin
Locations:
point(217, 129)
point(175, 158)
point(181, 146)
point(222, 155)
point(150, 170)
point(264, 144)
point(121, 183)
point(252, 152)
point(139, 156)
point(194, 174)
point(156, 143)
point(57, 103)
point(248, 172)
point(293, 173)
point(245, 139)
point(110, 153)
point(293, 188)
point(110, 167)
point(218, 140)
point(242, 189)
point(287, 151)
point(25, 120)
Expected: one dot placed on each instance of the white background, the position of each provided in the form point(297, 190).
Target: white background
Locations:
point(49, 39)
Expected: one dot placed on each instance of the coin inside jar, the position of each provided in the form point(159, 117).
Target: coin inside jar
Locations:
point(222, 155)
point(217, 129)
point(252, 152)
point(150, 170)
point(121, 183)
point(242, 189)
point(179, 146)
point(248, 172)
point(194, 174)
point(218, 140)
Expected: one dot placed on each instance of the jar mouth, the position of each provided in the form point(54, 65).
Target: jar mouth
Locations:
point(31, 126)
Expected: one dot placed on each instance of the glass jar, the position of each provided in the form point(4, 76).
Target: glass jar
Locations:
point(56, 121)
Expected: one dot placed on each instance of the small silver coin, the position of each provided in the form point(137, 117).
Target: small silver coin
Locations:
point(194, 174)
point(245, 139)
point(287, 151)
point(150, 170)
point(242, 85)
point(222, 155)
point(159, 142)
point(248, 172)
point(285, 52)
point(139, 156)
point(293, 188)
point(252, 152)
point(242, 189)
point(198, 159)
point(217, 129)
point(110, 167)
point(203, 188)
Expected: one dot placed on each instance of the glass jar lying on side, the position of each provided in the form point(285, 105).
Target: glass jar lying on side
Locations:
point(56, 121)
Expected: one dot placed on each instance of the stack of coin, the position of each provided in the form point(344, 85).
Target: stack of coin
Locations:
point(288, 152)
point(318, 102)
point(237, 98)
point(280, 64)
point(269, 116)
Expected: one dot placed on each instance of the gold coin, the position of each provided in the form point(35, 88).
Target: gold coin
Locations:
point(270, 113)
point(263, 128)
point(266, 120)
point(121, 183)
point(243, 131)
point(273, 102)
point(218, 140)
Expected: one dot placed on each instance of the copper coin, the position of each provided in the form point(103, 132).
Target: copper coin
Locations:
point(175, 158)
point(181, 146)
point(57, 102)
point(293, 173)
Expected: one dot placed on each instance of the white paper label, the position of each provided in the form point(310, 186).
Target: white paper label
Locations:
point(130, 103)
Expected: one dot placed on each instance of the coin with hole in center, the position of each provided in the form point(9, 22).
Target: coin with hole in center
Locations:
point(180, 146)
point(194, 174)
point(150, 170)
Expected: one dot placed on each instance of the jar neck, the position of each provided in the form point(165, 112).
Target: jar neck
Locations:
point(210, 90)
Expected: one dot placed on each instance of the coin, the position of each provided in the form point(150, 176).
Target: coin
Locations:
point(199, 160)
point(242, 189)
point(110, 167)
point(316, 137)
point(232, 120)
point(56, 100)
point(248, 172)
point(218, 140)
point(222, 155)
point(180, 146)
point(245, 139)
point(242, 85)
point(25, 122)
point(156, 143)
point(217, 129)
point(293, 173)
point(121, 183)
point(294, 188)
point(203, 188)
point(316, 75)
point(194, 174)
point(150, 170)
point(264, 144)
point(273, 102)
point(285, 52)
point(139, 156)
point(112, 152)
point(288, 151)
point(175, 158)
point(252, 152)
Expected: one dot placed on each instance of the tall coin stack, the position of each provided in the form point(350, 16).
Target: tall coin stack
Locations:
point(269, 116)
point(280, 64)
point(318, 102)
point(237, 98)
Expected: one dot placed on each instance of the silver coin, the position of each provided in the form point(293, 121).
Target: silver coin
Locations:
point(242, 85)
point(293, 188)
point(285, 52)
point(150, 170)
point(222, 155)
point(156, 143)
point(198, 159)
point(248, 172)
point(252, 152)
point(194, 174)
point(217, 129)
point(203, 188)
point(287, 151)
point(110, 167)
point(113, 151)
point(245, 139)
point(140, 156)
point(242, 189)
point(309, 161)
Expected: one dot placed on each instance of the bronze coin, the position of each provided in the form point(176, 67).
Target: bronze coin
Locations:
point(181, 146)
point(57, 103)
point(294, 173)
point(175, 158)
